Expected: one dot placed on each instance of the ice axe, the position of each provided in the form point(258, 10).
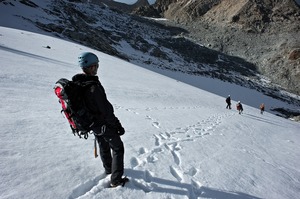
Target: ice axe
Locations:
point(95, 148)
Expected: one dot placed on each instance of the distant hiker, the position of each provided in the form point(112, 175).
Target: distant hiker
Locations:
point(228, 101)
point(239, 107)
point(262, 108)
point(106, 127)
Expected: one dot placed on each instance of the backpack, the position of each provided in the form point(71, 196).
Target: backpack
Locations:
point(71, 97)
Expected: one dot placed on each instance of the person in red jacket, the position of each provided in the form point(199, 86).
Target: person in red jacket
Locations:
point(239, 107)
point(262, 108)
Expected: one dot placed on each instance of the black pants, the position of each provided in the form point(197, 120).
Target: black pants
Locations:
point(111, 153)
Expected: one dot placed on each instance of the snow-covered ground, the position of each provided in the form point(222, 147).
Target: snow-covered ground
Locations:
point(180, 141)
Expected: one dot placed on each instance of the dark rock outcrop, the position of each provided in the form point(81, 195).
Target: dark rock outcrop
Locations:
point(263, 32)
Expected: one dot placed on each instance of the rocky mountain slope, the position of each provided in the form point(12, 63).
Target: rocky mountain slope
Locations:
point(196, 47)
point(263, 32)
point(121, 6)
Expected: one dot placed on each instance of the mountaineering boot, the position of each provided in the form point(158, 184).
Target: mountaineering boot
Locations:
point(122, 182)
point(107, 172)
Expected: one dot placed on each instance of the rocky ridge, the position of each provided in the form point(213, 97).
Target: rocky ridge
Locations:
point(265, 33)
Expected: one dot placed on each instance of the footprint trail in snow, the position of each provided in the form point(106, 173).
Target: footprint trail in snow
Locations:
point(169, 142)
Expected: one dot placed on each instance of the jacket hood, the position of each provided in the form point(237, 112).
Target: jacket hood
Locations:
point(83, 78)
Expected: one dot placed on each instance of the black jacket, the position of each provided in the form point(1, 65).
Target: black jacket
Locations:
point(96, 101)
point(228, 100)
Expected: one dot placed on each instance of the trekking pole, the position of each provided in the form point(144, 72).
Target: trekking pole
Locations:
point(95, 148)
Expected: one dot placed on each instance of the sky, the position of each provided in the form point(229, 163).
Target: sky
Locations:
point(134, 1)
point(180, 141)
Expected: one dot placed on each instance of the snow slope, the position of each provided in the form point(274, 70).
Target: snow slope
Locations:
point(180, 141)
point(19, 15)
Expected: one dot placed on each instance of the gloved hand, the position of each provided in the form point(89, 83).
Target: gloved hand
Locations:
point(120, 129)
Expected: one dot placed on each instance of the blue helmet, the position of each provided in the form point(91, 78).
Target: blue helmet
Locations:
point(87, 59)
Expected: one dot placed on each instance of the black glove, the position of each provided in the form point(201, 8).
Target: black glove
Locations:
point(120, 129)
